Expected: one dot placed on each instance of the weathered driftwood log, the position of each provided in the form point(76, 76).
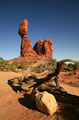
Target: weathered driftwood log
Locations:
point(47, 77)
point(41, 78)
point(27, 73)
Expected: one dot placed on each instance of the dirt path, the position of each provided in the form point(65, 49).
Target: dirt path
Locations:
point(11, 107)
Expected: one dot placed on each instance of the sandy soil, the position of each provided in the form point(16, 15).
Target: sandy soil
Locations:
point(72, 80)
point(15, 106)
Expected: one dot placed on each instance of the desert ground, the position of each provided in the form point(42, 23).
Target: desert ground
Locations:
point(16, 106)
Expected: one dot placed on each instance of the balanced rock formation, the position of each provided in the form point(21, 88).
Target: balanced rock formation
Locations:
point(46, 103)
point(26, 45)
point(41, 48)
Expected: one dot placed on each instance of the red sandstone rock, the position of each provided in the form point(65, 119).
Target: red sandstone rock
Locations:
point(44, 48)
point(26, 45)
point(23, 28)
point(38, 47)
point(48, 48)
point(41, 48)
point(26, 48)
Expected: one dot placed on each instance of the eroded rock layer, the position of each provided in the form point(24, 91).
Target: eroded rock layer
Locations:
point(41, 48)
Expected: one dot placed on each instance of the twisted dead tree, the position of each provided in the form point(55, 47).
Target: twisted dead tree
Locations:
point(41, 78)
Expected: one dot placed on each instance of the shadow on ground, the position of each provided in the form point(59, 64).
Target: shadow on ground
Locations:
point(68, 105)
point(15, 88)
point(26, 101)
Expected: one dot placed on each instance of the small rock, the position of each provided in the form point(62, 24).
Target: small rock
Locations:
point(46, 103)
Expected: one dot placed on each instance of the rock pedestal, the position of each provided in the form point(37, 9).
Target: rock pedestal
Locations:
point(26, 48)
point(41, 48)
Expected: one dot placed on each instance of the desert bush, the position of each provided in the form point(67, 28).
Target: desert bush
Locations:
point(71, 72)
point(22, 66)
point(65, 67)
point(50, 65)
point(15, 63)
point(13, 68)
point(76, 65)
point(35, 69)
point(1, 59)
point(71, 65)
point(4, 64)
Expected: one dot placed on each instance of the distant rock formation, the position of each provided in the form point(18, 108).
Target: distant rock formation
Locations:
point(41, 48)
point(26, 48)
point(44, 48)
point(38, 47)
point(26, 45)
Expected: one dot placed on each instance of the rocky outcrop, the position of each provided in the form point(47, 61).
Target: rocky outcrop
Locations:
point(44, 48)
point(46, 103)
point(26, 45)
point(48, 48)
point(26, 48)
point(41, 48)
point(38, 47)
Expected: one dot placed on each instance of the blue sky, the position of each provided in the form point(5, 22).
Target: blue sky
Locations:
point(57, 20)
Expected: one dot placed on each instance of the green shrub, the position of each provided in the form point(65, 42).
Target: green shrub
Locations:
point(15, 63)
point(65, 67)
point(13, 68)
point(49, 65)
point(4, 65)
point(76, 65)
point(22, 66)
point(71, 72)
point(71, 65)
point(1, 59)
point(34, 69)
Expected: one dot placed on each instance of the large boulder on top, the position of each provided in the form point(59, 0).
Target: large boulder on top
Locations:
point(46, 103)
point(23, 28)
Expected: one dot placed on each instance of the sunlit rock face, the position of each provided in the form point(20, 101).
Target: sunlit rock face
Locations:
point(44, 48)
point(26, 48)
point(38, 47)
point(48, 48)
point(26, 45)
point(41, 48)
point(23, 28)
